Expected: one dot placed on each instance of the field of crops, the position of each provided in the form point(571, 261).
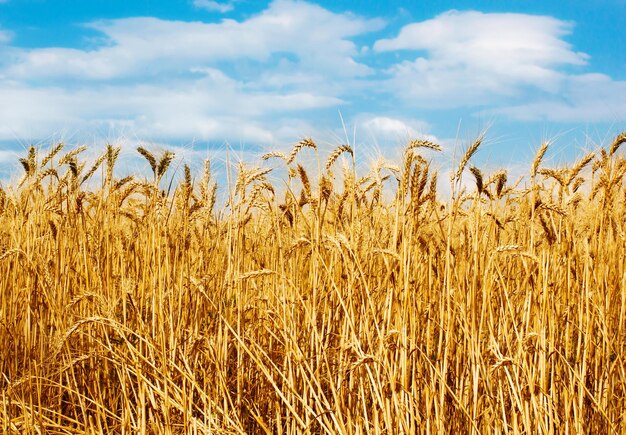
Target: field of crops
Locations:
point(329, 302)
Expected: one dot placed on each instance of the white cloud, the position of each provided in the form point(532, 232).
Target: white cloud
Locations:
point(472, 58)
point(586, 98)
point(316, 37)
point(214, 6)
point(158, 78)
point(5, 36)
point(215, 107)
point(265, 79)
point(384, 129)
point(8, 157)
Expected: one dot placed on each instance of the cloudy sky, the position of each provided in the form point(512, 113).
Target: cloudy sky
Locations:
point(200, 74)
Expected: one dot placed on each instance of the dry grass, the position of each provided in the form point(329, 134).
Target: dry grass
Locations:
point(322, 307)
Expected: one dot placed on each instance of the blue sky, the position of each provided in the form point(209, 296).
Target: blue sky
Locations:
point(196, 74)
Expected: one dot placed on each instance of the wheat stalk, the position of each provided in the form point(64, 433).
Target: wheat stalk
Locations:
point(305, 181)
point(71, 155)
point(468, 155)
point(420, 143)
point(432, 189)
point(325, 187)
point(553, 207)
point(164, 163)
point(304, 143)
point(260, 317)
point(538, 158)
point(112, 153)
point(149, 157)
point(557, 174)
point(332, 158)
point(619, 139)
point(275, 154)
point(205, 180)
point(478, 176)
point(29, 163)
point(578, 166)
point(255, 274)
point(53, 152)
point(94, 167)
point(507, 248)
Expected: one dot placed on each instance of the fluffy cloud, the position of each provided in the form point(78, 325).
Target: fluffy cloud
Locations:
point(585, 98)
point(471, 58)
point(316, 37)
point(212, 108)
point(384, 129)
point(5, 36)
point(281, 74)
point(214, 6)
point(7, 157)
point(161, 79)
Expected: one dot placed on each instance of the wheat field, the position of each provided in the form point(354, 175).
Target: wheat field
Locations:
point(328, 302)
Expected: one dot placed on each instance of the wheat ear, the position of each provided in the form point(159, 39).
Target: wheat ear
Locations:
point(332, 158)
point(94, 167)
point(164, 163)
point(420, 143)
point(67, 158)
point(53, 152)
point(579, 167)
point(479, 178)
point(468, 155)
point(538, 158)
point(149, 157)
point(274, 154)
point(620, 139)
point(306, 184)
point(304, 143)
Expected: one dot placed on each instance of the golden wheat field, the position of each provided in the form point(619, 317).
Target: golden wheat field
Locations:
point(330, 302)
